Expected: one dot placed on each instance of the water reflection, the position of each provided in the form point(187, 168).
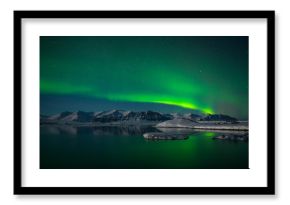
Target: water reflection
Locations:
point(126, 130)
point(97, 130)
point(117, 147)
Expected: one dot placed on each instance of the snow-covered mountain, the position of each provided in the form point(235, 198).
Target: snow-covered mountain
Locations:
point(78, 116)
point(132, 116)
point(219, 117)
point(121, 115)
point(189, 116)
point(59, 116)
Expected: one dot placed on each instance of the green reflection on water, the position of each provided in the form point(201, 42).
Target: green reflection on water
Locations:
point(125, 148)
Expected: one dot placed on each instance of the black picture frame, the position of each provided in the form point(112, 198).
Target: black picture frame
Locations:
point(269, 189)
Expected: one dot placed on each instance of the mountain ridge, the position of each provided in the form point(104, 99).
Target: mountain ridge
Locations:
point(127, 115)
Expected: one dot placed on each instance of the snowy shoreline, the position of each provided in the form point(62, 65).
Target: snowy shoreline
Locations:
point(213, 127)
point(184, 123)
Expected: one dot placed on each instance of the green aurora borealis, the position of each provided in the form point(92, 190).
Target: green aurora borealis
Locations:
point(209, 74)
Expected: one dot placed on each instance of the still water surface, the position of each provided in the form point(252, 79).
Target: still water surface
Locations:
point(69, 147)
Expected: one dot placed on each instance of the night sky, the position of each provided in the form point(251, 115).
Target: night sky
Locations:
point(160, 73)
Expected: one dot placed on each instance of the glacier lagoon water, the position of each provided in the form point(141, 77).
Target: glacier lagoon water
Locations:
point(70, 147)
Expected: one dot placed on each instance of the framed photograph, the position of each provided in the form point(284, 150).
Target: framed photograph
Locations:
point(144, 102)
